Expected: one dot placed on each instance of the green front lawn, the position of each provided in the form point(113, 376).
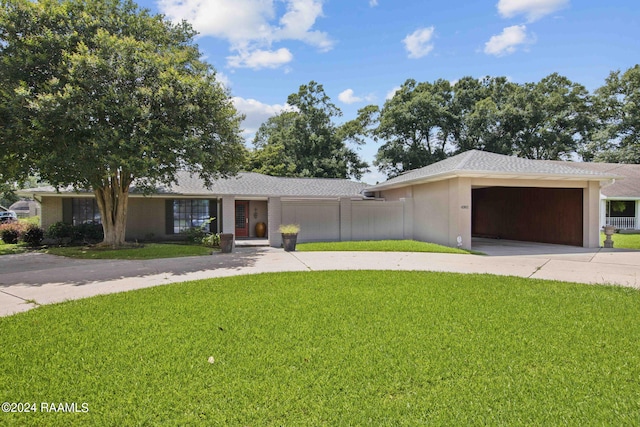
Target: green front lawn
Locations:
point(623, 241)
point(7, 249)
point(146, 251)
point(379, 246)
point(331, 348)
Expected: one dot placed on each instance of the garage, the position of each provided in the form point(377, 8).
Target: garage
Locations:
point(532, 214)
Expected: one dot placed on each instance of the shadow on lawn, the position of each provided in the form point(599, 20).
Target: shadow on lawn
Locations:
point(36, 269)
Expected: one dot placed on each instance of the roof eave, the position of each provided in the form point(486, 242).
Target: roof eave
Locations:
point(494, 175)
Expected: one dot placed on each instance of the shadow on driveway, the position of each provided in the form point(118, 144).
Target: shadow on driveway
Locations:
point(38, 269)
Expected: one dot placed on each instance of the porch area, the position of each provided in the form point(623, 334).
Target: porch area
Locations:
point(624, 223)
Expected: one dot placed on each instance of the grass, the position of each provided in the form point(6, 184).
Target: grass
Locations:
point(379, 246)
point(332, 348)
point(146, 251)
point(10, 249)
point(623, 241)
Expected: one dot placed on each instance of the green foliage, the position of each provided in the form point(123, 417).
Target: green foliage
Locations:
point(197, 235)
point(305, 141)
point(212, 240)
point(100, 93)
point(426, 122)
point(68, 234)
point(146, 251)
point(33, 235)
point(617, 104)
point(332, 348)
point(416, 125)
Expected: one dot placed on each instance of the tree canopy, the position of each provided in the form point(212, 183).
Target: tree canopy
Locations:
point(617, 106)
point(98, 94)
point(305, 142)
point(426, 122)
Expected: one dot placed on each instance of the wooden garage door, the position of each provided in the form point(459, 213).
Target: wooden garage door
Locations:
point(547, 215)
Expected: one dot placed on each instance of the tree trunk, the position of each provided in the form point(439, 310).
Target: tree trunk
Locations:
point(113, 201)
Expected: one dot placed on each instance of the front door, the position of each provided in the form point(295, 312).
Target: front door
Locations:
point(242, 218)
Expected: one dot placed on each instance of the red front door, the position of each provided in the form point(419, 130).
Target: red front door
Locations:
point(242, 218)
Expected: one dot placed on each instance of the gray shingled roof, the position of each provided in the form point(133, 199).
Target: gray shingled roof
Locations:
point(627, 187)
point(255, 184)
point(250, 184)
point(483, 163)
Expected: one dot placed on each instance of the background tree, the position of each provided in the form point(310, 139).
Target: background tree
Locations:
point(104, 95)
point(617, 104)
point(548, 120)
point(416, 125)
point(305, 141)
point(479, 105)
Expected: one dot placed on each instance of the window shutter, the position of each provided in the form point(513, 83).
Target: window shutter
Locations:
point(213, 213)
point(67, 210)
point(168, 216)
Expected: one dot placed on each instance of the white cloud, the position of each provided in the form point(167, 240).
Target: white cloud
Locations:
point(418, 43)
point(373, 3)
point(347, 96)
point(252, 25)
point(532, 9)
point(256, 113)
point(258, 59)
point(508, 41)
point(392, 92)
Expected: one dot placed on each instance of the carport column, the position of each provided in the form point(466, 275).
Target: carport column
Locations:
point(591, 215)
point(274, 219)
point(637, 215)
point(460, 212)
point(229, 215)
point(603, 212)
point(345, 219)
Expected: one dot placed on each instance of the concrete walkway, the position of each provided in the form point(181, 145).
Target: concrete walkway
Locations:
point(31, 279)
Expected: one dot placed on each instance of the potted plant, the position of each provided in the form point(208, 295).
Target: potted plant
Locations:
point(289, 236)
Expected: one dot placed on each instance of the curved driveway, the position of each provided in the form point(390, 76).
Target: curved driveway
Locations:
point(31, 279)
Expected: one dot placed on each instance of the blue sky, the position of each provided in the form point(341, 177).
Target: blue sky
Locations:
point(361, 50)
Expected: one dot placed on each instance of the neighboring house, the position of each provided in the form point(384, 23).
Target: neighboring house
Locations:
point(472, 194)
point(620, 200)
point(25, 208)
point(3, 209)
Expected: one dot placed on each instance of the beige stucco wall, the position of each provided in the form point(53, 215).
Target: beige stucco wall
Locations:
point(51, 211)
point(319, 220)
point(442, 209)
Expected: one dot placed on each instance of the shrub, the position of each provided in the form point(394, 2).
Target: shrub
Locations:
point(212, 240)
point(195, 234)
point(67, 233)
point(33, 235)
point(88, 232)
point(10, 233)
point(59, 232)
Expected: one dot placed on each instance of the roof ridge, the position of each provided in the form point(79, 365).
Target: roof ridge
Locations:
point(466, 158)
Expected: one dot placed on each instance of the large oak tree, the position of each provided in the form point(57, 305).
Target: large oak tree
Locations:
point(100, 95)
point(305, 141)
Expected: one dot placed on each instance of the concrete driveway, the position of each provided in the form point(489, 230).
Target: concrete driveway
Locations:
point(31, 279)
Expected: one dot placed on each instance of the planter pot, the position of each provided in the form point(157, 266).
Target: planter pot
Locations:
point(261, 229)
point(226, 243)
point(289, 242)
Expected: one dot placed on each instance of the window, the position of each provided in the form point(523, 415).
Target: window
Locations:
point(85, 211)
point(189, 213)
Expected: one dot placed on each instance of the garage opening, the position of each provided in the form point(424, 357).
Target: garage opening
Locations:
point(530, 214)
